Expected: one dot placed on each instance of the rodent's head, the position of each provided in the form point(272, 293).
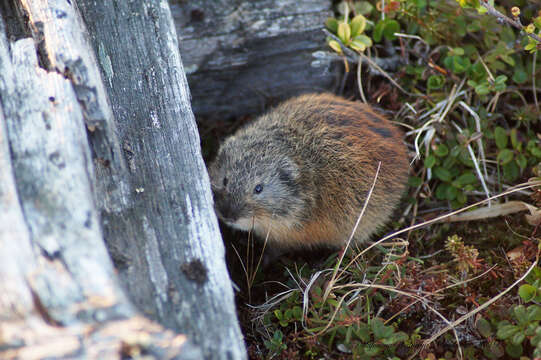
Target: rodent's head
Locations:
point(254, 181)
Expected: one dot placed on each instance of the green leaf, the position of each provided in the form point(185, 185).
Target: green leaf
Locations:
point(482, 89)
point(358, 46)
point(363, 7)
point(520, 314)
point(514, 350)
point(430, 161)
point(506, 331)
point(415, 181)
point(441, 191)
point(500, 136)
point(344, 32)
point(441, 150)
point(377, 34)
point(535, 151)
point(395, 338)
point(531, 46)
point(380, 330)
point(514, 138)
point(391, 27)
point(442, 173)
point(537, 22)
point(278, 314)
point(501, 79)
point(363, 332)
point(521, 161)
point(335, 46)
point(508, 60)
point(484, 328)
point(363, 39)
point(520, 76)
point(332, 24)
point(435, 82)
point(358, 24)
point(505, 156)
point(533, 312)
point(461, 64)
point(371, 350)
point(511, 171)
point(465, 179)
point(457, 51)
point(451, 193)
point(461, 198)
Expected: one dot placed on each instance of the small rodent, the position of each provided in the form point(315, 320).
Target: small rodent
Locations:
point(300, 174)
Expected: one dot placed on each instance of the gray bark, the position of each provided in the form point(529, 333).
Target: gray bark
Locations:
point(144, 179)
point(59, 297)
point(239, 54)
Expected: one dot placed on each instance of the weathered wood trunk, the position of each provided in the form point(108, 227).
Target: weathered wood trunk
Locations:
point(141, 184)
point(239, 54)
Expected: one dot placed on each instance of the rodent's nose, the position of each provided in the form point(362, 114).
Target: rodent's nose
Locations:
point(225, 208)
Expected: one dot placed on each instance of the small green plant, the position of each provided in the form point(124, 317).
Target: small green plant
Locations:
point(466, 256)
point(275, 345)
point(349, 30)
point(288, 316)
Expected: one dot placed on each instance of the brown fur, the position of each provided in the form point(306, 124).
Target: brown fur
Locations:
point(315, 157)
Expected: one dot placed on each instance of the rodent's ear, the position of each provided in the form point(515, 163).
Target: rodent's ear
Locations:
point(289, 170)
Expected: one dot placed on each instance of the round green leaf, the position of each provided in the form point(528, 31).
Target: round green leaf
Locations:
point(521, 161)
point(505, 156)
point(363, 39)
point(506, 331)
point(451, 193)
point(430, 161)
point(358, 46)
point(514, 350)
point(520, 76)
point(465, 179)
point(332, 24)
point(484, 328)
point(533, 312)
point(441, 191)
point(363, 7)
point(344, 32)
point(461, 64)
point(335, 46)
point(358, 24)
point(377, 34)
point(500, 136)
point(442, 173)
point(414, 181)
point(441, 150)
point(514, 138)
point(391, 27)
point(482, 89)
point(511, 171)
point(435, 82)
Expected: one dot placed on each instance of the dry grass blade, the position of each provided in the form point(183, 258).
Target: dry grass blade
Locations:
point(507, 208)
point(520, 187)
point(333, 278)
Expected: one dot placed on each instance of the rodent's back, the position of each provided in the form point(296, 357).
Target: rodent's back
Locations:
point(317, 155)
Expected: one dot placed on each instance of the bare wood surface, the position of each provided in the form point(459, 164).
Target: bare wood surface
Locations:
point(58, 293)
point(165, 241)
point(240, 54)
point(144, 179)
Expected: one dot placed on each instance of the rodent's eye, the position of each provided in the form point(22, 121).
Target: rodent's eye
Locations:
point(258, 189)
point(225, 181)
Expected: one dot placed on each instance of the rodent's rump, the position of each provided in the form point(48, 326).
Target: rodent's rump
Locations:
point(300, 174)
